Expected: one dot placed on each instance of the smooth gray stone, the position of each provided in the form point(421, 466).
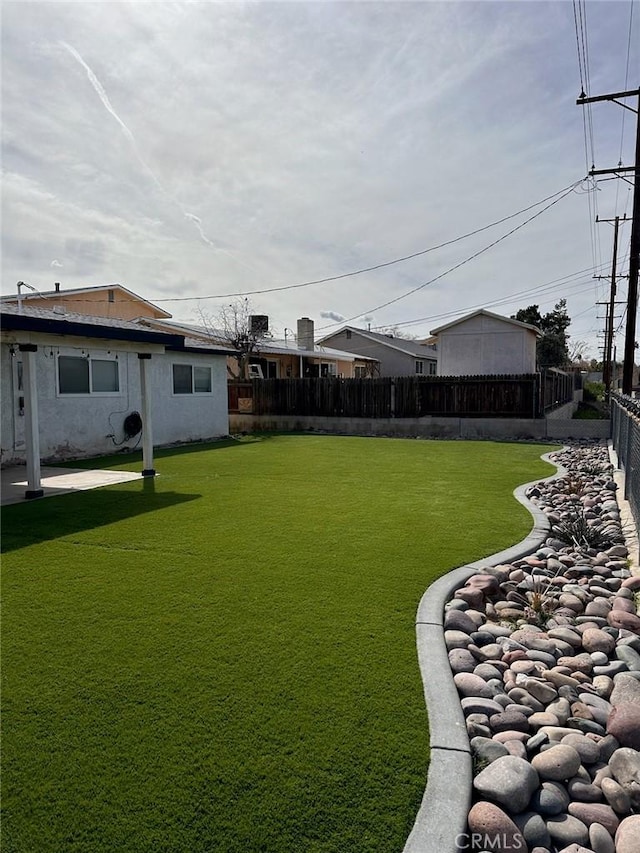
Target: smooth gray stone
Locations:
point(625, 766)
point(586, 726)
point(458, 620)
point(496, 630)
point(616, 796)
point(600, 621)
point(551, 798)
point(629, 656)
point(457, 604)
point(482, 638)
point(534, 829)
point(626, 688)
point(542, 657)
point(536, 741)
point(461, 660)
point(587, 749)
point(487, 671)
point(611, 669)
point(557, 763)
point(608, 745)
point(566, 829)
point(633, 640)
point(520, 696)
point(510, 781)
point(599, 839)
point(476, 705)
point(487, 749)
point(584, 792)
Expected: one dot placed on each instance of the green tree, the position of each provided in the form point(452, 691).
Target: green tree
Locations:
point(553, 346)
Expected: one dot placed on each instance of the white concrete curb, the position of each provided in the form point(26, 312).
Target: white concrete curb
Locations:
point(442, 817)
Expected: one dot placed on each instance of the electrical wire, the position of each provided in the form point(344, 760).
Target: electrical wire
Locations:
point(451, 242)
point(460, 264)
point(626, 83)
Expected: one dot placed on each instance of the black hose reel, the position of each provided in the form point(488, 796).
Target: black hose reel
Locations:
point(132, 425)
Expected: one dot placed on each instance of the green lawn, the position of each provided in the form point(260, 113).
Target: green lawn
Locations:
point(223, 659)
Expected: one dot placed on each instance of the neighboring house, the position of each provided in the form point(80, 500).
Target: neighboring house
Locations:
point(105, 300)
point(396, 356)
point(293, 357)
point(70, 382)
point(485, 344)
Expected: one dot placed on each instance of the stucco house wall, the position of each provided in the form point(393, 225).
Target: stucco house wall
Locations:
point(77, 425)
point(486, 345)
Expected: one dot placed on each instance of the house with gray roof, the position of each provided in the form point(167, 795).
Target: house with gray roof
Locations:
point(78, 385)
point(396, 356)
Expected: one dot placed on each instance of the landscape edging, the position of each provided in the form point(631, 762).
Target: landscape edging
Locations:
point(441, 823)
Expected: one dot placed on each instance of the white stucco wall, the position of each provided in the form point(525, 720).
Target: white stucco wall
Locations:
point(485, 345)
point(73, 426)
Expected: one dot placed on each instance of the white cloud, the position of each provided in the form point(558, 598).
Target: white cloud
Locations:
point(210, 148)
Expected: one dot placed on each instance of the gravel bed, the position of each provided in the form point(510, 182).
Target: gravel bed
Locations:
point(545, 655)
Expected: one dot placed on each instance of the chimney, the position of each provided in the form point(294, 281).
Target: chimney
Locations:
point(305, 333)
point(57, 286)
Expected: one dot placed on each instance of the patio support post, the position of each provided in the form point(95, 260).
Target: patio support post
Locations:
point(147, 431)
point(32, 432)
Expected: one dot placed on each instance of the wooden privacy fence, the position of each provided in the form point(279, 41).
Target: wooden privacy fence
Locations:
point(525, 396)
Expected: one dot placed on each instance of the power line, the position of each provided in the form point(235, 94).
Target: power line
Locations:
point(460, 264)
point(504, 299)
point(564, 190)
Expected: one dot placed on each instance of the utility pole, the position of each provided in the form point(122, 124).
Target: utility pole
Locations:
point(608, 339)
point(634, 248)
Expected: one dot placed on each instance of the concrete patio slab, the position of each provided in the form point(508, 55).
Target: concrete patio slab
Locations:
point(58, 481)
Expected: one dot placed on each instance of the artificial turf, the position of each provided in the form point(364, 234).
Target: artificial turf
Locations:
point(223, 659)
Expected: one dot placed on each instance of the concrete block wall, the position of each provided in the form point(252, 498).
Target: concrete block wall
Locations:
point(468, 428)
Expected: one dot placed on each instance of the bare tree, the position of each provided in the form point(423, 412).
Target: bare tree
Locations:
point(235, 326)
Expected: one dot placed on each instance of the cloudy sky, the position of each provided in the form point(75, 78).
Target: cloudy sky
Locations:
point(190, 150)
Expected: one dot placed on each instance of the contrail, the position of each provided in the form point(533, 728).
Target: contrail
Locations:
point(109, 108)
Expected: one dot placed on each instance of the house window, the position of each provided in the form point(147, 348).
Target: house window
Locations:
point(348, 333)
point(328, 369)
point(272, 369)
point(433, 368)
point(112, 295)
point(86, 375)
point(419, 367)
point(359, 372)
point(191, 379)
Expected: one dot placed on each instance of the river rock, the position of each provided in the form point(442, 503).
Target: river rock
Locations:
point(534, 829)
point(496, 827)
point(625, 766)
point(596, 640)
point(588, 750)
point(509, 780)
point(600, 840)
point(616, 796)
point(627, 835)
point(600, 813)
point(624, 724)
point(566, 829)
point(557, 763)
point(626, 688)
point(469, 684)
point(621, 619)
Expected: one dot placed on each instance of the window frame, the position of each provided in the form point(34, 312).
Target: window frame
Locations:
point(193, 366)
point(419, 367)
point(89, 359)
